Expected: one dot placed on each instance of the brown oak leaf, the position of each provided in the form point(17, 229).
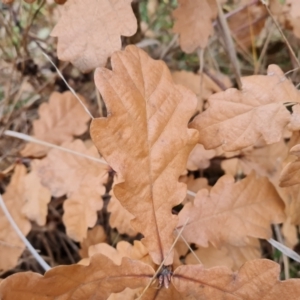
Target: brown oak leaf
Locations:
point(94, 236)
point(237, 119)
point(146, 141)
point(60, 119)
point(81, 179)
point(193, 22)
point(119, 217)
point(256, 279)
point(96, 281)
point(36, 196)
point(90, 31)
point(290, 175)
point(232, 211)
point(11, 246)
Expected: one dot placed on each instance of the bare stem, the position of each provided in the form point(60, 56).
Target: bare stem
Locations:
point(38, 258)
point(29, 138)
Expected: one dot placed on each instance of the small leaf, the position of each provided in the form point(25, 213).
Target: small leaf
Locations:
point(81, 179)
point(89, 31)
point(11, 246)
point(193, 22)
point(60, 119)
point(36, 195)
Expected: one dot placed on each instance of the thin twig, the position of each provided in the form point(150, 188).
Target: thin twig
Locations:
point(65, 81)
point(38, 258)
point(29, 138)
point(284, 257)
point(282, 34)
point(200, 53)
point(230, 45)
point(191, 193)
point(190, 248)
point(286, 250)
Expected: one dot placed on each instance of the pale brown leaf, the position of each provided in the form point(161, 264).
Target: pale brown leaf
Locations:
point(193, 22)
point(96, 281)
point(11, 246)
point(90, 31)
point(256, 280)
point(199, 158)
point(202, 85)
point(94, 236)
point(80, 211)
point(232, 211)
point(60, 119)
point(227, 255)
point(36, 196)
point(247, 23)
point(237, 119)
point(290, 175)
point(146, 141)
point(265, 160)
point(210, 257)
point(119, 217)
point(290, 233)
point(81, 179)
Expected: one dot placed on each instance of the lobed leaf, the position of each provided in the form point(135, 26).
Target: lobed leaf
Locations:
point(146, 141)
point(11, 246)
point(256, 280)
point(89, 31)
point(36, 196)
point(96, 281)
point(81, 179)
point(290, 175)
point(238, 119)
point(231, 212)
point(193, 22)
point(60, 119)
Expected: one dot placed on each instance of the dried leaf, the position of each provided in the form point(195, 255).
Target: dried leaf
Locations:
point(257, 279)
point(247, 23)
point(230, 212)
point(64, 173)
point(202, 87)
point(295, 119)
point(146, 141)
point(193, 22)
point(94, 236)
point(199, 158)
point(210, 257)
point(36, 196)
point(264, 160)
point(81, 179)
point(291, 196)
point(81, 211)
point(290, 175)
point(11, 246)
point(237, 119)
point(290, 233)
point(241, 254)
point(89, 31)
point(60, 119)
point(119, 217)
point(96, 281)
